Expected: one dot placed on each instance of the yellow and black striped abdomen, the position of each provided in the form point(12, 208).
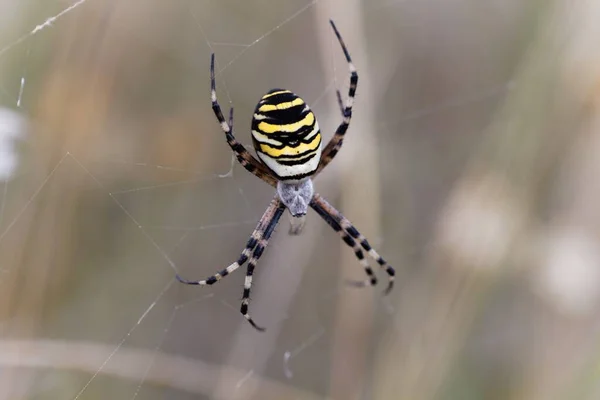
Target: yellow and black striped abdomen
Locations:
point(286, 135)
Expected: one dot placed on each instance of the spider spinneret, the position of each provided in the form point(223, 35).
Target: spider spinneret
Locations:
point(287, 140)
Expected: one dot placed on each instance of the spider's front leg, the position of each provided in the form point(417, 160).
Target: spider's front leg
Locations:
point(247, 160)
point(334, 145)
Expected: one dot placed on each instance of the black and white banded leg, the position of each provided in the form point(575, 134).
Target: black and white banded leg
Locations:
point(247, 160)
point(334, 145)
point(372, 279)
point(256, 254)
point(322, 207)
point(256, 236)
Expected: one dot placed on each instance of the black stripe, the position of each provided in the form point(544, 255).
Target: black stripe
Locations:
point(341, 130)
point(292, 140)
point(250, 270)
point(305, 134)
point(328, 218)
point(332, 153)
point(286, 114)
point(353, 232)
point(211, 280)
point(217, 111)
point(246, 293)
point(243, 258)
point(348, 240)
point(251, 168)
point(365, 245)
point(296, 177)
point(297, 162)
point(251, 243)
point(236, 146)
point(257, 254)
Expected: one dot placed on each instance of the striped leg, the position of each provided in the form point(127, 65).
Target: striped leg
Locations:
point(255, 238)
point(243, 156)
point(231, 119)
point(334, 145)
point(322, 207)
point(338, 95)
point(258, 251)
point(372, 280)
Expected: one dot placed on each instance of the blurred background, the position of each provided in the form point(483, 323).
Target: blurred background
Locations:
point(471, 164)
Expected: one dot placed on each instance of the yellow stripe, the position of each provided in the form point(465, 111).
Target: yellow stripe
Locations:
point(266, 96)
point(291, 151)
point(270, 128)
point(281, 106)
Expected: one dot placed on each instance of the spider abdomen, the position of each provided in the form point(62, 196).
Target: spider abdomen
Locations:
point(286, 135)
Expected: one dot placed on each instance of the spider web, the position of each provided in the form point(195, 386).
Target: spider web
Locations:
point(124, 178)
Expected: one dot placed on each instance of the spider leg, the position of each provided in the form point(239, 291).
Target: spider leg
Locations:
point(256, 254)
point(247, 160)
point(338, 95)
point(327, 211)
point(231, 119)
point(372, 280)
point(256, 236)
point(334, 145)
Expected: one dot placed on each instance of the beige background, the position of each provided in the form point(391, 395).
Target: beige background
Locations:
point(471, 165)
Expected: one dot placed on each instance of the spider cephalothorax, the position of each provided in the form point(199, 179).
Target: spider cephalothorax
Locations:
point(296, 196)
point(287, 139)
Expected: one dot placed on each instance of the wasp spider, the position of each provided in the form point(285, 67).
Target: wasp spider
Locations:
point(287, 139)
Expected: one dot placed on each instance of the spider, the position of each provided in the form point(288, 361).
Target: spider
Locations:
point(287, 140)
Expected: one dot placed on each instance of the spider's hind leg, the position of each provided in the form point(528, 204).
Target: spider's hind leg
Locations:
point(256, 254)
point(354, 239)
point(371, 278)
point(254, 249)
